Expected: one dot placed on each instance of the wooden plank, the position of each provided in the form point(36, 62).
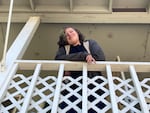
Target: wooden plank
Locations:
point(19, 45)
point(6, 83)
point(110, 5)
point(149, 7)
point(32, 5)
point(112, 90)
point(99, 66)
point(71, 5)
point(1, 40)
point(114, 18)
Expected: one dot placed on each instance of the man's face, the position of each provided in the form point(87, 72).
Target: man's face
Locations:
point(72, 36)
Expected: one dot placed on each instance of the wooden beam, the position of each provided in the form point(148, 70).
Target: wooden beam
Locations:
point(32, 5)
point(23, 39)
point(110, 5)
point(114, 18)
point(71, 5)
point(149, 7)
point(19, 46)
point(1, 40)
point(147, 44)
point(76, 66)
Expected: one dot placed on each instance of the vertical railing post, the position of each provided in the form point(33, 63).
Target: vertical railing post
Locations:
point(31, 89)
point(138, 88)
point(112, 90)
point(58, 88)
point(84, 90)
point(127, 99)
point(17, 49)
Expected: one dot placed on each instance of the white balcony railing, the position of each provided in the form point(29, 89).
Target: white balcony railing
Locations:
point(37, 86)
point(28, 86)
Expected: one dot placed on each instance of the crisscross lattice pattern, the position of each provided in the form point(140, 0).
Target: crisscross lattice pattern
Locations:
point(71, 95)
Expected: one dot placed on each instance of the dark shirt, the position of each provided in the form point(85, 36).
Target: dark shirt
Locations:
point(78, 48)
point(75, 49)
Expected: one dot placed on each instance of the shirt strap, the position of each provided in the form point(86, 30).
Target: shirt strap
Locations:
point(67, 48)
point(86, 45)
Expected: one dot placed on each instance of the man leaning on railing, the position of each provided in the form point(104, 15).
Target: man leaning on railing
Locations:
point(73, 47)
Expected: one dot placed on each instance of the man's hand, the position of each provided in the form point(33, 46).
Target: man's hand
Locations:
point(90, 59)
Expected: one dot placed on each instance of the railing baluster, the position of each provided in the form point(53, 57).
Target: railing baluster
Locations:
point(112, 90)
point(77, 66)
point(58, 88)
point(139, 91)
point(31, 89)
point(84, 90)
point(127, 99)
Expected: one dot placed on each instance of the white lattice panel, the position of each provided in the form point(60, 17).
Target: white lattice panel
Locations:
point(71, 95)
point(70, 100)
point(15, 94)
point(126, 96)
point(98, 95)
point(42, 96)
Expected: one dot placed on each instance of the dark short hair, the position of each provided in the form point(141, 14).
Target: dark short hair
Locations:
point(62, 37)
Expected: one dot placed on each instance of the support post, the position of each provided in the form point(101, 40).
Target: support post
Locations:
point(19, 46)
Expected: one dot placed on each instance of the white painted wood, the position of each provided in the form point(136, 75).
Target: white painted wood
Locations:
point(126, 88)
point(3, 62)
point(6, 83)
point(58, 88)
point(19, 46)
point(110, 5)
point(139, 91)
point(1, 40)
point(71, 5)
point(31, 89)
point(23, 39)
point(115, 17)
point(100, 65)
point(111, 89)
point(84, 90)
point(149, 7)
point(32, 4)
point(57, 81)
point(117, 3)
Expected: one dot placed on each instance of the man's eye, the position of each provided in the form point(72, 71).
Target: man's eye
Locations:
point(71, 31)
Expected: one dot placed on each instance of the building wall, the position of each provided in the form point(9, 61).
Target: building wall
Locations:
point(129, 41)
